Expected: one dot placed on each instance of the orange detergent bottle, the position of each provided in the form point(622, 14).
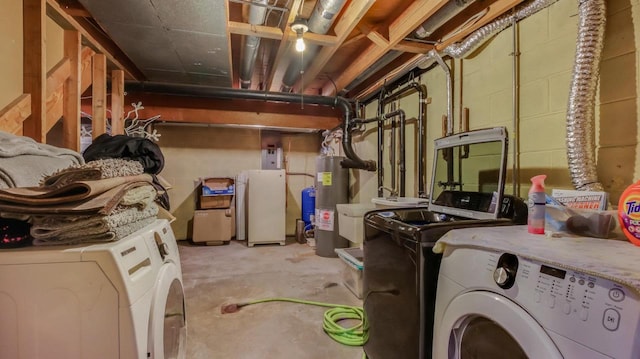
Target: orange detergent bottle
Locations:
point(629, 213)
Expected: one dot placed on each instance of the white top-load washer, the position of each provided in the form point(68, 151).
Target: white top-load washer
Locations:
point(498, 305)
point(122, 299)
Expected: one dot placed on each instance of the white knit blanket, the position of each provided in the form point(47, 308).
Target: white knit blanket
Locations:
point(24, 162)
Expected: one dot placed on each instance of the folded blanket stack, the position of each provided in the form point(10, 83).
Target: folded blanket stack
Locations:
point(99, 201)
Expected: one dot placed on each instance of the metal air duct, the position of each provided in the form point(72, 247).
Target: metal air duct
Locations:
point(441, 16)
point(257, 16)
point(324, 14)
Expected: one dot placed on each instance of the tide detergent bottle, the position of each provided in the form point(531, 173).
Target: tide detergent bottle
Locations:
point(629, 213)
point(537, 201)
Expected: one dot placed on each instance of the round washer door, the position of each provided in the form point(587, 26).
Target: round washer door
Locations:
point(485, 325)
point(167, 320)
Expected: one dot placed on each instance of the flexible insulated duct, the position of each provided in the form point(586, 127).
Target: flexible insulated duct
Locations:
point(581, 108)
point(323, 16)
point(257, 16)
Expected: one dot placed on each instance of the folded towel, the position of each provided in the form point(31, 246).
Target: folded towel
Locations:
point(71, 192)
point(103, 203)
point(93, 170)
point(64, 228)
point(118, 233)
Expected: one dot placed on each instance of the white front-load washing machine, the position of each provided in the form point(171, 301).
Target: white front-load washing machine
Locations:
point(121, 299)
point(493, 305)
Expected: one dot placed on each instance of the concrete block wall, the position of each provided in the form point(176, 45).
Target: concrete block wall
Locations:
point(547, 40)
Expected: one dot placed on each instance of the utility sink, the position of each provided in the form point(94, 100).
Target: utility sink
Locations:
point(392, 202)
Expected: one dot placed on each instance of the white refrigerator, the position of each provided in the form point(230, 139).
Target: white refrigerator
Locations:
point(265, 206)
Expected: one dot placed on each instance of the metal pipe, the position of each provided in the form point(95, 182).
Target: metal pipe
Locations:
point(323, 16)
point(352, 161)
point(392, 149)
point(447, 72)
point(380, 145)
point(422, 94)
point(444, 14)
point(516, 110)
point(402, 160)
point(584, 84)
point(253, 3)
point(257, 15)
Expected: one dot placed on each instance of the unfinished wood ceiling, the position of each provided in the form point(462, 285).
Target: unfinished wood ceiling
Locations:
point(351, 44)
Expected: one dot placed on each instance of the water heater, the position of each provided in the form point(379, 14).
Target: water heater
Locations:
point(332, 183)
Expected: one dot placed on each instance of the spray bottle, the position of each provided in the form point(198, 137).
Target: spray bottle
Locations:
point(536, 205)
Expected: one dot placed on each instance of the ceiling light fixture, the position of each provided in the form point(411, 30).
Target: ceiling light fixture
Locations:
point(299, 26)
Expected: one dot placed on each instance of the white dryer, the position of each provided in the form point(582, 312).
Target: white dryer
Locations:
point(493, 305)
point(122, 299)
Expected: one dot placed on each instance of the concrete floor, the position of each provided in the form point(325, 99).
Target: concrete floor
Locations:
point(218, 275)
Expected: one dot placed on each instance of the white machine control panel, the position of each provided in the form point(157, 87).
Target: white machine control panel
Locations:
point(591, 310)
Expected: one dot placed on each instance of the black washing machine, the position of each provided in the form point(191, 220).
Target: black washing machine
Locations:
point(400, 268)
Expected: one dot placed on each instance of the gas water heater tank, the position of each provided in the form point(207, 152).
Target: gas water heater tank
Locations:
point(331, 188)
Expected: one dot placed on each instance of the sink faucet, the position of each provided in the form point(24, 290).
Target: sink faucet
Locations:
point(392, 192)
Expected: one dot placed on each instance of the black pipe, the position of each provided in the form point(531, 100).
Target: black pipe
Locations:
point(402, 160)
point(380, 145)
point(219, 92)
point(422, 94)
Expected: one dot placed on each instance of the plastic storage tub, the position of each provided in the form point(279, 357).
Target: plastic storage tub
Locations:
point(350, 220)
point(353, 265)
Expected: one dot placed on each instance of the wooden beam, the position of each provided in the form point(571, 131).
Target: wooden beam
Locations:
point(414, 15)
point(57, 76)
point(378, 39)
point(413, 47)
point(71, 91)
point(55, 108)
point(14, 114)
point(278, 65)
point(34, 66)
point(235, 105)
point(494, 10)
point(213, 116)
point(233, 72)
point(117, 102)
point(96, 38)
point(268, 32)
point(172, 108)
point(99, 96)
point(86, 68)
point(73, 8)
point(345, 25)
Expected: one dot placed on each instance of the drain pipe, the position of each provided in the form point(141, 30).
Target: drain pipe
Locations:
point(392, 149)
point(352, 160)
point(401, 161)
point(422, 94)
point(447, 72)
point(403, 136)
point(380, 144)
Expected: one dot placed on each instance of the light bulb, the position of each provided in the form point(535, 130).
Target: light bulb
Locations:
point(300, 44)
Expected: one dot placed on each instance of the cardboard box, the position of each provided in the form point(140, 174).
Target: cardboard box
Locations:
point(216, 192)
point(214, 226)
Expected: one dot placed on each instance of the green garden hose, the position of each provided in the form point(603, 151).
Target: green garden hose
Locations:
point(356, 335)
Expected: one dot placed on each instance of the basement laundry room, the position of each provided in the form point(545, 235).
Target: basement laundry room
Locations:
point(398, 179)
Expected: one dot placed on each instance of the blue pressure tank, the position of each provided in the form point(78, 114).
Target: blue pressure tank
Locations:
point(308, 204)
